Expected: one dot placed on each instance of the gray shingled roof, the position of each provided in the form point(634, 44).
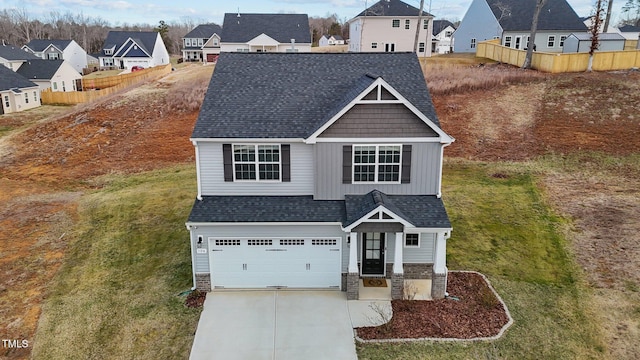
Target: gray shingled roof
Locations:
point(419, 210)
point(392, 8)
point(40, 45)
point(518, 14)
point(439, 25)
point(266, 209)
point(10, 52)
point(280, 27)
point(629, 28)
point(40, 69)
point(279, 95)
point(146, 39)
point(204, 31)
point(11, 80)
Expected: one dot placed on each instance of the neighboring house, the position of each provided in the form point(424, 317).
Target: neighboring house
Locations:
point(16, 92)
point(510, 21)
point(202, 43)
point(588, 22)
point(442, 36)
point(12, 57)
point(318, 170)
point(125, 49)
point(388, 26)
point(581, 42)
point(329, 40)
point(58, 75)
point(68, 50)
point(265, 33)
point(630, 32)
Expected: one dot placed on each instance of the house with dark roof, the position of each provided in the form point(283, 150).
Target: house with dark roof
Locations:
point(68, 50)
point(581, 42)
point(388, 26)
point(510, 21)
point(442, 37)
point(265, 33)
point(323, 186)
point(12, 57)
point(202, 43)
point(330, 40)
point(16, 92)
point(126, 49)
point(630, 32)
point(57, 75)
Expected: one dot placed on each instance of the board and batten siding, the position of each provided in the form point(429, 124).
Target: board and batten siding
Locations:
point(263, 231)
point(212, 174)
point(425, 167)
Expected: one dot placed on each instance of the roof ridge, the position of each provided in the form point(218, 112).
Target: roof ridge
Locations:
point(377, 197)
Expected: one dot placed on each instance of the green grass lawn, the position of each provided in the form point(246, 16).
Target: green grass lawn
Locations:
point(504, 229)
point(116, 296)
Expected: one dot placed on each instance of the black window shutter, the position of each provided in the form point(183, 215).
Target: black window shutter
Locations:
point(285, 149)
point(227, 158)
point(405, 177)
point(346, 164)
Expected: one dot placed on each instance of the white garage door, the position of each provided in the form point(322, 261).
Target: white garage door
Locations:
point(275, 262)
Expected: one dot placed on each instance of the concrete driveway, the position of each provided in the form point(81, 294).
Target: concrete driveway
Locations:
point(274, 325)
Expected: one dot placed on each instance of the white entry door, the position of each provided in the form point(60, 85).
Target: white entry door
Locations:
point(275, 262)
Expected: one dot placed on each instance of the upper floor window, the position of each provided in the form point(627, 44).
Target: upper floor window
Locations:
point(108, 51)
point(507, 41)
point(6, 101)
point(407, 24)
point(562, 39)
point(215, 42)
point(425, 24)
point(473, 43)
point(187, 42)
point(421, 47)
point(551, 41)
point(256, 162)
point(26, 98)
point(395, 23)
point(376, 163)
point(200, 42)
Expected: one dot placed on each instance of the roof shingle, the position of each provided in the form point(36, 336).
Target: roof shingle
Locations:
point(40, 69)
point(11, 80)
point(10, 52)
point(240, 28)
point(517, 15)
point(392, 8)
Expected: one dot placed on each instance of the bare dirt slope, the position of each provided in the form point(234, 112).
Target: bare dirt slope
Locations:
point(45, 166)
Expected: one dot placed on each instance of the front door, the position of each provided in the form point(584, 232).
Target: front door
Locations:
point(373, 254)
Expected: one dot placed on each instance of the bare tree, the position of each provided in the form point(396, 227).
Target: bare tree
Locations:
point(532, 37)
point(596, 21)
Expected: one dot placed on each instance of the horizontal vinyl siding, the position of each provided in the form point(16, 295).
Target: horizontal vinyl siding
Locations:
point(212, 174)
point(425, 163)
point(423, 254)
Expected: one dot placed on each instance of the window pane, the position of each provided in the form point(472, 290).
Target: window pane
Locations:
point(245, 171)
point(269, 171)
point(244, 153)
point(268, 153)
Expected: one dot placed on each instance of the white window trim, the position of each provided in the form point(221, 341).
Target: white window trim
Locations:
point(425, 24)
point(393, 21)
point(257, 163)
point(507, 41)
point(376, 164)
point(562, 39)
point(473, 43)
point(549, 40)
point(412, 246)
point(407, 24)
point(374, 45)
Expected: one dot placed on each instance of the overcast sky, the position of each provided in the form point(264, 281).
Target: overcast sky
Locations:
point(118, 12)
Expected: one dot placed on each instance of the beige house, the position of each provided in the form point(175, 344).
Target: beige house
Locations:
point(57, 75)
point(390, 26)
point(16, 92)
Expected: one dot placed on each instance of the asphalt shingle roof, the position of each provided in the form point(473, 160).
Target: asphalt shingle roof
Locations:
point(204, 31)
point(11, 80)
point(518, 14)
point(629, 28)
point(439, 25)
point(279, 95)
point(146, 39)
point(392, 8)
point(10, 52)
point(40, 69)
point(280, 27)
point(40, 45)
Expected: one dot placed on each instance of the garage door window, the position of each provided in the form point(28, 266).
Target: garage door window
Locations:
point(292, 242)
point(259, 242)
point(226, 242)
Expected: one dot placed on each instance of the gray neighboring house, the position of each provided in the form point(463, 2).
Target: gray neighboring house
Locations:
point(581, 42)
point(68, 50)
point(202, 43)
point(13, 57)
point(16, 92)
point(316, 171)
point(57, 75)
point(510, 21)
point(265, 33)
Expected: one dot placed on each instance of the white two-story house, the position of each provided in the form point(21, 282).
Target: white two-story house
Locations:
point(67, 50)
point(316, 171)
point(388, 26)
point(202, 43)
point(442, 36)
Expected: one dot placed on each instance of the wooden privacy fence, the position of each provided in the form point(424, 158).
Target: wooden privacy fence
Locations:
point(116, 83)
point(560, 62)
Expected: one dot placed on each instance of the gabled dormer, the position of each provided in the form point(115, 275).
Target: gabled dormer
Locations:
point(109, 49)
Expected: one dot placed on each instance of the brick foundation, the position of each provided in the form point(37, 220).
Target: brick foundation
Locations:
point(397, 286)
point(203, 282)
point(417, 271)
point(438, 285)
point(343, 285)
point(353, 286)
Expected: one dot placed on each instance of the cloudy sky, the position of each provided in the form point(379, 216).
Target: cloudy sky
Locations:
point(118, 12)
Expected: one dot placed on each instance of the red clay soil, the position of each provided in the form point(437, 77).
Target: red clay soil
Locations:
point(478, 313)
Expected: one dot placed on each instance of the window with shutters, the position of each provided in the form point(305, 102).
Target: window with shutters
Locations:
point(256, 162)
point(376, 163)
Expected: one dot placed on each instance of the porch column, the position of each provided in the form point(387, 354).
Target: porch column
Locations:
point(439, 277)
point(353, 277)
point(397, 278)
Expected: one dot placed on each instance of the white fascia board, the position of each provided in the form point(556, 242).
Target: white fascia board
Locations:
point(139, 47)
point(365, 218)
point(53, 46)
point(430, 230)
point(252, 140)
point(196, 224)
point(402, 140)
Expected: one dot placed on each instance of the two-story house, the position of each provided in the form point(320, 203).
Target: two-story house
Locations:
point(13, 57)
point(16, 92)
point(388, 26)
point(57, 75)
point(316, 171)
point(202, 43)
point(442, 36)
point(126, 49)
point(510, 21)
point(265, 33)
point(67, 50)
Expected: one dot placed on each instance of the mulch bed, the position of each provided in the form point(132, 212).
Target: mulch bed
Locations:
point(478, 313)
point(195, 299)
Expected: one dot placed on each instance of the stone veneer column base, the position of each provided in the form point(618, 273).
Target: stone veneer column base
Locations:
point(438, 285)
point(397, 286)
point(353, 286)
point(203, 282)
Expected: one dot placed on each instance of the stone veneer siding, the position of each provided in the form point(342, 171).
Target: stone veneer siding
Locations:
point(438, 285)
point(344, 282)
point(203, 282)
point(353, 286)
point(397, 286)
point(417, 271)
